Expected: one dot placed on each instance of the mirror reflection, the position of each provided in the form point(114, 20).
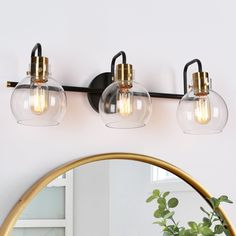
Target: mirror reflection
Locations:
point(108, 198)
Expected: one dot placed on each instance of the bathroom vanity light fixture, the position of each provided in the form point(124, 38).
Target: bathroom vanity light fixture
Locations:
point(122, 103)
point(38, 100)
point(201, 110)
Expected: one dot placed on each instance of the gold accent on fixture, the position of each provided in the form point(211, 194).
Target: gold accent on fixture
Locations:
point(124, 74)
point(39, 69)
point(201, 83)
point(28, 196)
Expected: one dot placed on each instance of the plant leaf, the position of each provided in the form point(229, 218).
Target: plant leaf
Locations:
point(206, 231)
point(158, 213)
point(206, 222)
point(156, 192)
point(149, 199)
point(165, 194)
point(161, 223)
point(224, 198)
point(219, 229)
point(165, 212)
point(193, 225)
point(161, 201)
point(202, 209)
point(173, 202)
point(214, 202)
point(169, 215)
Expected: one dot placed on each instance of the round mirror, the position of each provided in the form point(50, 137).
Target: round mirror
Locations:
point(113, 195)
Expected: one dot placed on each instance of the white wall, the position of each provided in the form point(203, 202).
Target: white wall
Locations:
point(80, 38)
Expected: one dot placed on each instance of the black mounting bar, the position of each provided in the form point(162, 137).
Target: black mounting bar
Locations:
point(185, 72)
point(12, 84)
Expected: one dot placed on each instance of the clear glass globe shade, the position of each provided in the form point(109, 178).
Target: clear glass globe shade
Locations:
point(125, 108)
point(202, 114)
point(38, 104)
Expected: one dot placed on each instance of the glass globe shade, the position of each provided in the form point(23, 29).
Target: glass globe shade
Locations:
point(125, 108)
point(38, 104)
point(202, 114)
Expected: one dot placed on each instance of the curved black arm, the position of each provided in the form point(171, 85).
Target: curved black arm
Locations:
point(37, 47)
point(121, 53)
point(186, 69)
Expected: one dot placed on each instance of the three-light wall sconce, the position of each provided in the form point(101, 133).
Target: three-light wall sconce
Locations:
point(39, 100)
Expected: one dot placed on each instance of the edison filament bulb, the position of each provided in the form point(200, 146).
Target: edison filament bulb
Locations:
point(202, 110)
point(39, 98)
point(124, 103)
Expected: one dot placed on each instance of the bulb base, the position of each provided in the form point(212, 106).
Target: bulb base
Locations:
point(39, 69)
point(201, 83)
point(124, 74)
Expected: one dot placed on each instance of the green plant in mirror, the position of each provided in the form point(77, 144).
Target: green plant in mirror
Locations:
point(212, 223)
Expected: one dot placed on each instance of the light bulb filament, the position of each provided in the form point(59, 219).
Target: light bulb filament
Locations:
point(39, 99)
point(202, 110)
point(125, 103)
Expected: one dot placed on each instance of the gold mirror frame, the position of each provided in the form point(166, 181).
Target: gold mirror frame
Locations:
point(12, 217)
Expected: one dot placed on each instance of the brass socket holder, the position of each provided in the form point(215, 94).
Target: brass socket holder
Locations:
point(201, 83)
point(124, 74)
point(39, 69)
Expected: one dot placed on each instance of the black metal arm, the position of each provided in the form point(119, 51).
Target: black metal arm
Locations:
point(121, 53)
point(38, 48)
point(185, 72)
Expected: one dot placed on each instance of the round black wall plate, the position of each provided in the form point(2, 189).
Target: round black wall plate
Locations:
point(99, 82)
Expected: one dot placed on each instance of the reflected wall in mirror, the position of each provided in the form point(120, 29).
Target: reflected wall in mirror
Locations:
point(108, 198)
